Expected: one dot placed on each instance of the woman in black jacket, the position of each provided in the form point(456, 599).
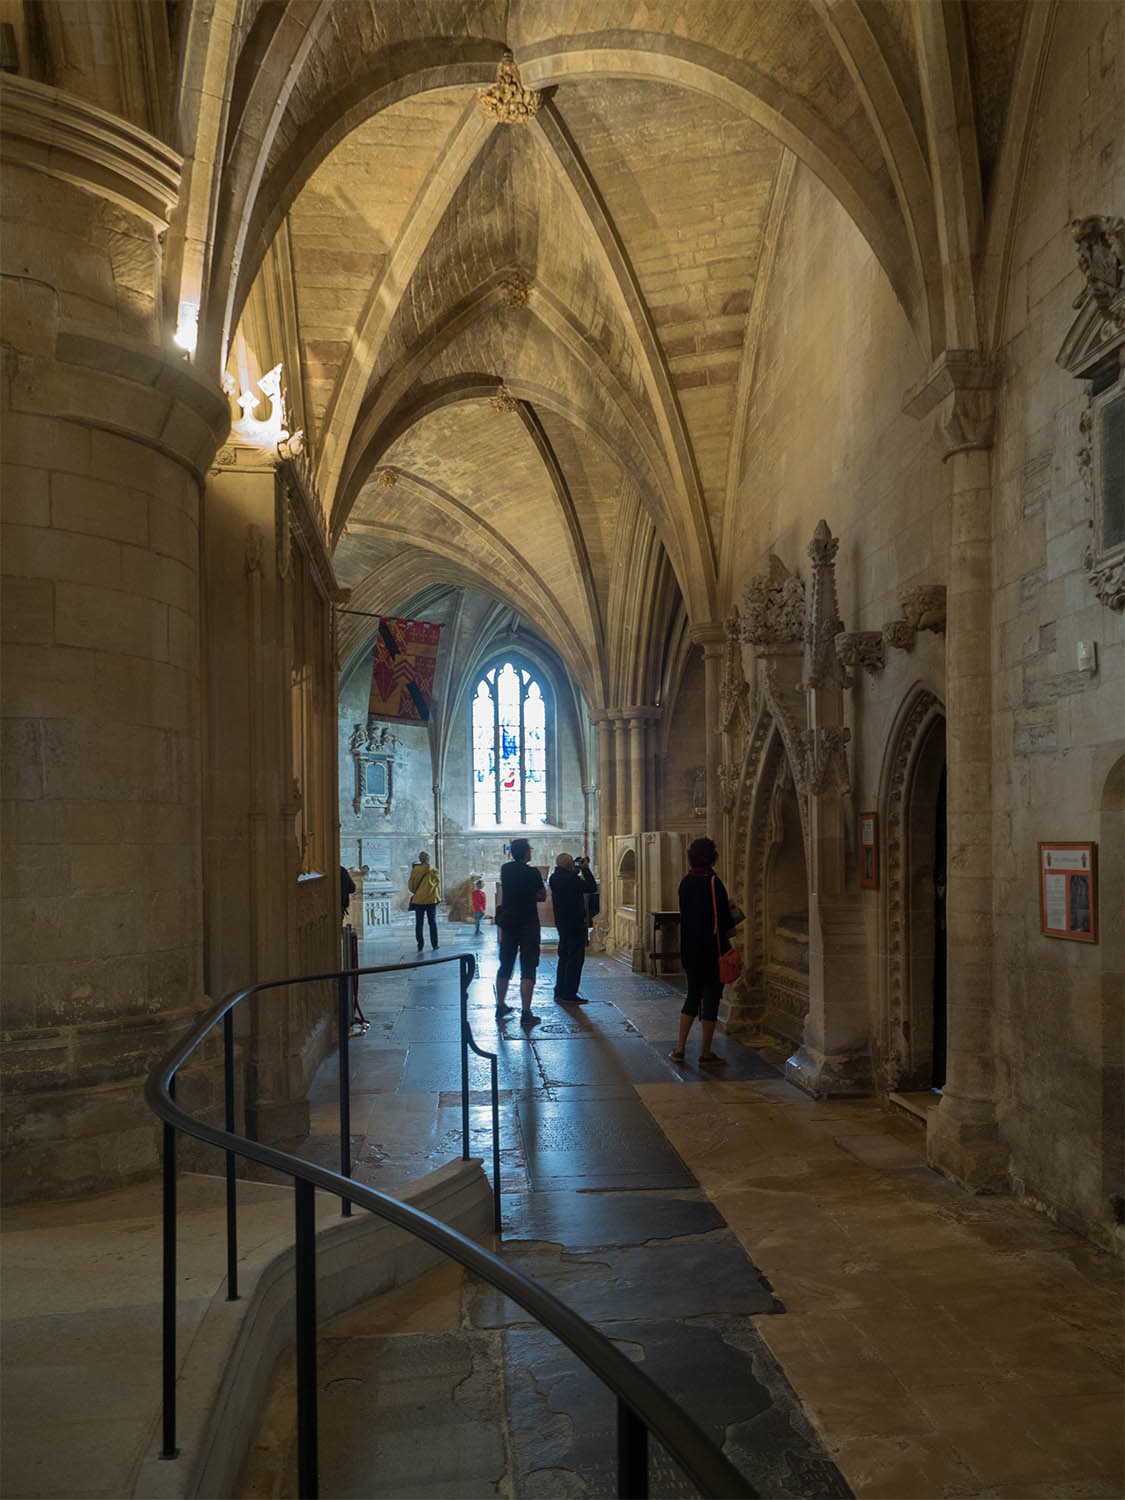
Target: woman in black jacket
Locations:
point(700, 946)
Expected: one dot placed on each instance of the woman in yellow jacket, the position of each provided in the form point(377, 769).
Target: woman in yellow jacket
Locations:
point(424, 897)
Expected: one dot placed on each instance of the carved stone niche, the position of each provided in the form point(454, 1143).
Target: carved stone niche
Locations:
point(373, 751)
point(1094, 352)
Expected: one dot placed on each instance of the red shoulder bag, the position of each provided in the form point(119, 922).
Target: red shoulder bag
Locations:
point(730, 962)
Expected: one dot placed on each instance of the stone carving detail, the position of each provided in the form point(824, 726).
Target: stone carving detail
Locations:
point(699, 792)
point(773, 607)
point(225, 458)
point(825, 761)
point(1095, 346)
point(1101, 254)
point(507, 100)
point(728, 786)
point(516, 289)
point(862, 648)
point(1107, 577)
point(959, 391)
point(373, 749)
point(387, 479)
point(504, 400)
point(899, 634)
point(734, 691)
point(924, 606)
point(823, 623)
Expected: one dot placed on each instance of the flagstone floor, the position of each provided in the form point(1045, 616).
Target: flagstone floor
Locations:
point(844, 1318)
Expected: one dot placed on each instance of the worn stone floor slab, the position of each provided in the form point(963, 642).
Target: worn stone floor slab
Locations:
point(676, 1280)
point(563, 1420)
point(584, 1220)
point(607, 1141)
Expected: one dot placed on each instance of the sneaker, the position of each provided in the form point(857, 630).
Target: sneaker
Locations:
point(528, 1019)
point(504, 1009)
point(421, 947)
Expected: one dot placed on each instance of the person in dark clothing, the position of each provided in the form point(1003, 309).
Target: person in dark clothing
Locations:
point(703, 906)
point(347, 890)
point(567, 898)
point(517, 917)
point(589, 889)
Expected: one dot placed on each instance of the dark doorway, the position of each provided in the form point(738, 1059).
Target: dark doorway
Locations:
point(937, 1076)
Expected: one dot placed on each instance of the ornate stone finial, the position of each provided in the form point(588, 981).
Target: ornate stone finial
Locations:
point(516, 289)
point(924, 606)
point(387, 479)
point(862, 648)
point(507, 100)
point(823, 624)
point(1101, 254)
point(824, 758)
point(504, 400)
point(773, 607)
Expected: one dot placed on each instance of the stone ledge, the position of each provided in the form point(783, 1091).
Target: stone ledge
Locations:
point(225, 1377)
point(51, 131)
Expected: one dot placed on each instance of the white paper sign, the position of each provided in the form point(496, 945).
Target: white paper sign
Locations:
point(1054, 901)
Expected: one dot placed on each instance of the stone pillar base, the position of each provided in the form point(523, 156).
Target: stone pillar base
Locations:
point(740, 1011)
point(963, 1143)
point(279, 1124)
point(826, 1075)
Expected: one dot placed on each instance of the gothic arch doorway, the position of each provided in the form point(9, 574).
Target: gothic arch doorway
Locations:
point(916, 1016)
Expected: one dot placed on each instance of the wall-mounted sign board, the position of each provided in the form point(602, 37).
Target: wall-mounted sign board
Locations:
point(869, 850)
point(1068, 891)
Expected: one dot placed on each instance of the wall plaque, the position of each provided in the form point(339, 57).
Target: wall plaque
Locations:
point(869, 850)
point(1068, 891)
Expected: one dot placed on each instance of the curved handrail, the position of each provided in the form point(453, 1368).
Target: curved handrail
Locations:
point(673, 1428)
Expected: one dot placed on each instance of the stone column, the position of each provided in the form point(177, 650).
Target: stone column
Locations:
point(835, 1055)
point(711, 637)
point(963, 1136)
point(621, 803)
point(106, 441)
point(637, 778)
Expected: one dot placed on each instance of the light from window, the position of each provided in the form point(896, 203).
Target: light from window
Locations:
point(509, 749)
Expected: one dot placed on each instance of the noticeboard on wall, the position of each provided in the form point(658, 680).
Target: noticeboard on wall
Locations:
point(1068, 891)
point(869, 850)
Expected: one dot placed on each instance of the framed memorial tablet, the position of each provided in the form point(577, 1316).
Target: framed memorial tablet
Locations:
point(1068, 891)
point(869, 850)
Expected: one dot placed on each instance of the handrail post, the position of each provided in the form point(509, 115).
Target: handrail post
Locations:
point(344, 1020)
point(232, 1199)
point(496, 1224)
point(465, 973)
point(632, 1454)
point(305, 1269)
point(168, 1449)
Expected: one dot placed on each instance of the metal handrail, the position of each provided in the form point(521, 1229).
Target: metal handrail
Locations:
point(642, 1407)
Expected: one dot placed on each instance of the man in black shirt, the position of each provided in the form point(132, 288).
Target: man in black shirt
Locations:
point(570, 919)
point(517, 917)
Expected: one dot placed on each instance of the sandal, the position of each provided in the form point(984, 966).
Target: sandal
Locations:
point(711, 1060)
point(677, 1054)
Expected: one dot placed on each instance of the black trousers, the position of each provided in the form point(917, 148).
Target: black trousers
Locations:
point(426, 911)
point(572, 955)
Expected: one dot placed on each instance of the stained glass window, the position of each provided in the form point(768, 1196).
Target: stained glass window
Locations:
point(509, 748)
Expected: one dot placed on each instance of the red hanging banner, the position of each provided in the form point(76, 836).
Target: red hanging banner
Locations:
point(402, 671)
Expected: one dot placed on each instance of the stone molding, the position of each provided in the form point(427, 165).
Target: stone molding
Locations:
point(862, 648)
point(50, 131)
point(923, 608)
point(299, 510)
point(135, 391)
point(773, 608)
point(960, 392)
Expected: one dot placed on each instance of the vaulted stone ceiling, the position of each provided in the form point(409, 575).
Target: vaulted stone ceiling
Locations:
point(606, 261)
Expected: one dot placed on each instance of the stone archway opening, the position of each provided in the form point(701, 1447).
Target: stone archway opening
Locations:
point(925, 1018)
